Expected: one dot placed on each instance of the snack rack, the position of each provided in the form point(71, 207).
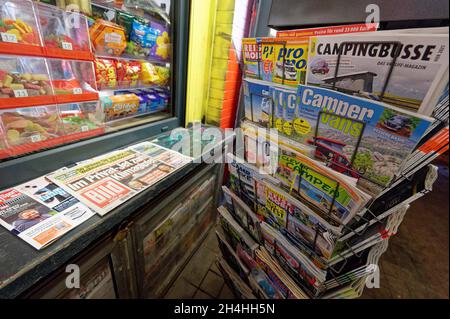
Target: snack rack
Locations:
point(366, 237)
point(48, 91)
point(132, 63)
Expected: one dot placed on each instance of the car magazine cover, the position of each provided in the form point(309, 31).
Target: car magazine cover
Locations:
point(109, 180)
point(34, 221)
point(419, 63)
point(162, 154)
point(284, 212)
point(358, 137)
point(318, 185)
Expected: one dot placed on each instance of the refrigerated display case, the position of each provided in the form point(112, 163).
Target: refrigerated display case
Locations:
point(157, 78)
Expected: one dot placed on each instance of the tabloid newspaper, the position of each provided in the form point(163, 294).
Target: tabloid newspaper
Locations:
point(421, 61)
point(162, 154)
point(108, 181)
point(39, 212)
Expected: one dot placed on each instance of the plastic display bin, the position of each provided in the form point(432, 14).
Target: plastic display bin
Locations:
point(64, 34)
point(24, 81)
point(19, 30)
point(32, 128)
point(4, 151)
point(72, 80)
point(81, 120)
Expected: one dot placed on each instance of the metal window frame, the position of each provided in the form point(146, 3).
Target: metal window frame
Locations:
point(22, 169)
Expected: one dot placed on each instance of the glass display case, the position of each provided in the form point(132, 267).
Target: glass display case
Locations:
point(19, 31)
point(91, 99)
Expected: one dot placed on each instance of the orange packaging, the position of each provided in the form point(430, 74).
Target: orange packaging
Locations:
point(108, 38)
point(120, 106)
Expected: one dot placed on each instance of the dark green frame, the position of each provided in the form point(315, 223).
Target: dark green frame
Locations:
point(22, 169)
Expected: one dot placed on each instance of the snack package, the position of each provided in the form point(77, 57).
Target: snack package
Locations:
point(164, 75)
point(31, 125)
point(18, 23)
point(107, 38)
point(119, 106)
point(128, 73)
point(149, 39)
point(106, 74)
point(149, 74)
point(142, 39)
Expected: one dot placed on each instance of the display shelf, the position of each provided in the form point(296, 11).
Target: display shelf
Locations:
point(64, 34)
point(72, 80)
point(19, 28)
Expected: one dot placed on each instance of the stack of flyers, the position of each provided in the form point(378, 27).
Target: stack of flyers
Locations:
point(363, 62)
point(107, 181)
point(40, 212)
point(319, 186)
point(285, 212)
point(162, 154)
point(358, 137)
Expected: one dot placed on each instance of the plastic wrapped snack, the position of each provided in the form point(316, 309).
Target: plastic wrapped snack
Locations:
point(31, 125)
point(106, 74)
point(119, 106)
point(149, 39)
point(108, 38)
point(128, 73)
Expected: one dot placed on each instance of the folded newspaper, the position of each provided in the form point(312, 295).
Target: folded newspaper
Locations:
point(107, 181)
point(39, 212)
point(364, 60)
point(162, 154)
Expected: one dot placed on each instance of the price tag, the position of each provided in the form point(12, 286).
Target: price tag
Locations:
point(77, 91)
point(9, 37)
point(35, 138)
point(20, 93)
point(84, 128)
point(113, 38)
point(66, 46)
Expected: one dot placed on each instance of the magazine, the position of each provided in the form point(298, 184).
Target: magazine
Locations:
point(108, 181)
point(162, 154)
point(319, 186)
point(285, 212)
point(39, 212)
point(358, 137)
point(419, 64)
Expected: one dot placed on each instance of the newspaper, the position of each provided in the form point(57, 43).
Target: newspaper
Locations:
point(162, 154)
point(421, 61)
point(39, 212)
point(108, 181)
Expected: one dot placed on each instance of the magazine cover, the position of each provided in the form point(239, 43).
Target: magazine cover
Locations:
point(420, 60)
point(318, 185)
point(110, 180)
point(356, 136)
point(292, 260)
point(36, 223)
point(283, 211)
point(257, 101)
point(162, 154)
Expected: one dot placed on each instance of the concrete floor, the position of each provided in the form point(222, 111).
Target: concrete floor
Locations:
point(416, 264)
